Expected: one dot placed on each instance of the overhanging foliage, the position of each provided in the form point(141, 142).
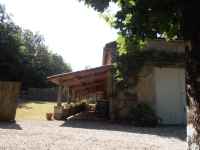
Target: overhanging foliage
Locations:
point(128, 67)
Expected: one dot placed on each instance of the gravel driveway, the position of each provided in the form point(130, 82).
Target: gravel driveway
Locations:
point(80, 134)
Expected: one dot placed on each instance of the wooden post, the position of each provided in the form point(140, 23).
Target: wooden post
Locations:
point(79, 97)
point(69, 96)
point(104, 94)
point(59, 97)
point(75, 96)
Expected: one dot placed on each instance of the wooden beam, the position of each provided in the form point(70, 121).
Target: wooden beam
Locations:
point(59, 97)
point(73, 79)
point(74, 76)
point(86, 92)
point(82, 86)
point(82, 79)
point(83, 93)
point(87, 86)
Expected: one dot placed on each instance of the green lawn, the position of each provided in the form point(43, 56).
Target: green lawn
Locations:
point(34, 109)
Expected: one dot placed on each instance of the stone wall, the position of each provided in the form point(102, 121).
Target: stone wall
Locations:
point(170, 46)
point(145, 90)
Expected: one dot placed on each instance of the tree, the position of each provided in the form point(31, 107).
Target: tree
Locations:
point(24, 57)
point(39, 62)
point(10, 48)
point(58, 65)
point(139, 20)
point(87, 67)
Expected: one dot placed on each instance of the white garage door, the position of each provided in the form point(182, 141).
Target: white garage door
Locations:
point(170, 95)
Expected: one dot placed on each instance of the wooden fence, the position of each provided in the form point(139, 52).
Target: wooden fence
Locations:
point(9, 93)
point(48, 94)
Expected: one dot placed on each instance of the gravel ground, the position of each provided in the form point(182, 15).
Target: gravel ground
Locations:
point(83, 135)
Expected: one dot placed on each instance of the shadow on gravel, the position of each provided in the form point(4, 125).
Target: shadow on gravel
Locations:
point(171, 131)
point(6, 125)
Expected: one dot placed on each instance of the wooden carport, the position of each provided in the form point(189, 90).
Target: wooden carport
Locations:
point(79, 84)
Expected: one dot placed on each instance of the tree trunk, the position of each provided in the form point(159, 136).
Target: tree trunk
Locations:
point(193, 95)
point(190, 30)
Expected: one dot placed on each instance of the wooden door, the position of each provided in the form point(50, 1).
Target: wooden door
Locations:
point(9, 94)
point(170, 95)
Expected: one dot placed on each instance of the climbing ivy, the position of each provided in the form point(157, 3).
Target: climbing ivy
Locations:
point(127, 67)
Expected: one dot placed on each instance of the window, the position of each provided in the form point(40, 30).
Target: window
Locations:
point(132, 100)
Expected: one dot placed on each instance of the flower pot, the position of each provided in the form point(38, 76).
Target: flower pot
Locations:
point(49, 116)
point(112, 117)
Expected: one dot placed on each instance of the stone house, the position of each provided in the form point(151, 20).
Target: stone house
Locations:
point(163, 88)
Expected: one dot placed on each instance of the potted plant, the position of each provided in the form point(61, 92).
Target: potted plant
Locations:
point(112, 116)
point(144, 115)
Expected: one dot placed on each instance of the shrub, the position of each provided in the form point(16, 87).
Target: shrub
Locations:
point(85, 101)
point(144, 115)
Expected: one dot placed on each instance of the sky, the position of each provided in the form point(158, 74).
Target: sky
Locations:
point(70, 29)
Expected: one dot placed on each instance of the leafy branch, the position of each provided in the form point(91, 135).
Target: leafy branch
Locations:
point(128, 67)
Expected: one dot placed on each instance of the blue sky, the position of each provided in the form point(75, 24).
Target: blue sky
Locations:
point(70, 29)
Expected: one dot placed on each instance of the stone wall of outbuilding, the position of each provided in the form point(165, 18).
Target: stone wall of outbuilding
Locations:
point(145, 90)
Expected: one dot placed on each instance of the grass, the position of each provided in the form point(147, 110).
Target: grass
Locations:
point(34, 109)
